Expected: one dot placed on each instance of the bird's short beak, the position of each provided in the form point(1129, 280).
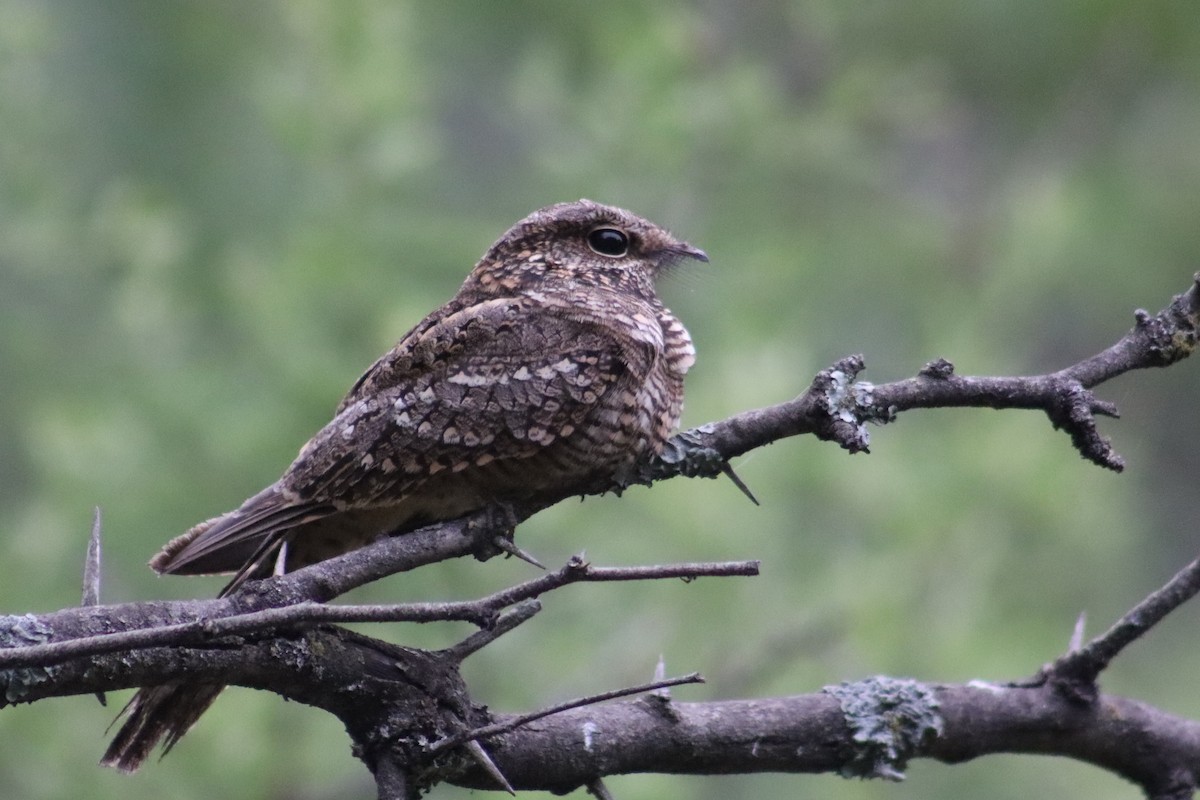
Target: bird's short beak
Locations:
point(685, 250)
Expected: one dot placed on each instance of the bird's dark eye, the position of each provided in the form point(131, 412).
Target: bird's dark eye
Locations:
point(609, 242)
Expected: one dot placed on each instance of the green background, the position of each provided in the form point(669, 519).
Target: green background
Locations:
point(214, 216)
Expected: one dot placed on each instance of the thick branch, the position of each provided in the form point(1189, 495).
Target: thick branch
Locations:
point(816, 733)
point(512, 723)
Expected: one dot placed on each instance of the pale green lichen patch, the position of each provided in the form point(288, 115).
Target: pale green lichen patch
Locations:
point(18, 631)
point(890, 719)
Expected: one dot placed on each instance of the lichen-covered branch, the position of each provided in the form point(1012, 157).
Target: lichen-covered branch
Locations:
point(837, 406)
point(873, 728)
point(866, 729)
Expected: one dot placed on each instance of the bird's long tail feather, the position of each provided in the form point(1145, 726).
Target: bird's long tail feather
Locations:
point(157, 713)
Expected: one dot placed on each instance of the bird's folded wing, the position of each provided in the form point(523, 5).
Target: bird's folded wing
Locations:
point(500, 380)
point(465, 391)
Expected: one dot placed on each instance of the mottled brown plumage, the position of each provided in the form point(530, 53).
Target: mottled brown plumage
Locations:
point(555, 365)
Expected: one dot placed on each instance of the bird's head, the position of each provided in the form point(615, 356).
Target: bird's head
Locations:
point(579, 245)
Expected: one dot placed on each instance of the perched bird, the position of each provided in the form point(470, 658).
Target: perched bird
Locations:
point(555, 365)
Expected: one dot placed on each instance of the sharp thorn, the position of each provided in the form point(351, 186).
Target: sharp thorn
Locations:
point(598, 790)
point(91, 564)
point(1077, 633)
point(508, 546)
point(476, 751)
point(660, 674)
point(733, 476)
point(281, 558)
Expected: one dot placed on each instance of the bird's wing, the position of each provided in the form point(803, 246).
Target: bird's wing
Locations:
point(499, 380)
point(402, 361)
point(241, 540)
point(502, 379)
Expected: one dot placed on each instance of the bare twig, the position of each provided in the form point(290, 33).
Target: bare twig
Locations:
point(1080, 667)
point(524, 719)
point(518, 614)
point(213, 625)
point(577, 569)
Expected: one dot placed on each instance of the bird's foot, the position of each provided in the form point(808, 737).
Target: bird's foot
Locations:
point(497, 522)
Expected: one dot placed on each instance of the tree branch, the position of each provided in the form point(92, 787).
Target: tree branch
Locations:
point(512, 723)
point(1076, 672)
point(837, 407)
point(873, 728)
point(816, 733)
point(212, 620)
point(395, 701)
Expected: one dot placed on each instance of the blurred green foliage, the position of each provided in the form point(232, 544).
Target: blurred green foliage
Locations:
point(214, 215)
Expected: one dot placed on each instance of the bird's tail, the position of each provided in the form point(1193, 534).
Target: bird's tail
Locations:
point(157, 713)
